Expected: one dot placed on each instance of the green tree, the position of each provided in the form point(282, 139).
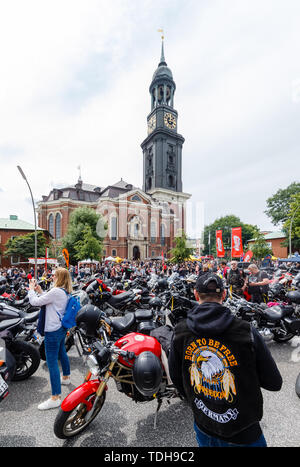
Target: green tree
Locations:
point(23, 245)
point(278, 205)
point(80, 218)
point(294, 218)
point(226, 223)
point(89, 246)
point(181, 251)
point(260, 248)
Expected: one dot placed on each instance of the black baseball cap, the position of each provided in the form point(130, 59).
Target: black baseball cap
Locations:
point(209, 283)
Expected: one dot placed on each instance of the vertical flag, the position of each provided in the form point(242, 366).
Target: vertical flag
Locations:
point(163, 258)
point(219, 244)
point(66, 256)
point(236, 242)
point(248, 256)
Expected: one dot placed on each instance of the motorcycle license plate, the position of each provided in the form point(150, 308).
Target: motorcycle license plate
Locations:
point(3, 387)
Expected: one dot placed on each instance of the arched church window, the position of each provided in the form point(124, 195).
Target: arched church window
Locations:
point(58, 225)
point(162, 235)
point(51, 225)
point(113, 228)
point(153, 232)
point(149, 183)
point(136, 230)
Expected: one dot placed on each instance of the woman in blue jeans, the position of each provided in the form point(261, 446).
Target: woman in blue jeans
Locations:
point(55, 301)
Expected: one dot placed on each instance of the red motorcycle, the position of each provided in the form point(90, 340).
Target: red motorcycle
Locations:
point(137, 364)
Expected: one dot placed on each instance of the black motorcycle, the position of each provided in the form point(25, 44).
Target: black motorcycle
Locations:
point(113, 305)
point(277, 322)
point(16, 332)
point(90, 318)
point(7, 369)
point(27, 331)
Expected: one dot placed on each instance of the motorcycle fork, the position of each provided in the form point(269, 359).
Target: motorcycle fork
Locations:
point(103, 383)
point(107, 375)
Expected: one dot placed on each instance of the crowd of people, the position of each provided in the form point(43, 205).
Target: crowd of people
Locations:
point(250, 283)
point(250, 364)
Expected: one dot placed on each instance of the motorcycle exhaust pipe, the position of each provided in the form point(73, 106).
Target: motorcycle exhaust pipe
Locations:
point(266, 334)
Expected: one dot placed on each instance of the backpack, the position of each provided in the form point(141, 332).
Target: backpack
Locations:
point(73, 306)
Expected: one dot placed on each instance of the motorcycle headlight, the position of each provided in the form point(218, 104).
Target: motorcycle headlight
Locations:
point(92, 363)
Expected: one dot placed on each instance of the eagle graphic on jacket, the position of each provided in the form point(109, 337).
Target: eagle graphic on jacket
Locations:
point(209, 375)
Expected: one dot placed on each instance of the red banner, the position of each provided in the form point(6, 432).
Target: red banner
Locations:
point(248, 256)
point(219, 244)
point(236, 242)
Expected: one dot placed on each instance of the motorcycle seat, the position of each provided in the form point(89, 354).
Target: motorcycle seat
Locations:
point(31, 317)
point(124, 323)
point(142, 315)
point(8, 323)
point(277, 312)
point(117, 299)
point(19, 302)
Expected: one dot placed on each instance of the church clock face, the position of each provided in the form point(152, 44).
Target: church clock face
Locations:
point(151, 124)
point(170, 121)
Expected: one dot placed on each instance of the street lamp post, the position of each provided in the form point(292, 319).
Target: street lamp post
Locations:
point(35, 229)
point(290, 233)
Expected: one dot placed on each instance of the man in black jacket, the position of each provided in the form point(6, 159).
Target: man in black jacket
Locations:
point(235, 278)
point(219, 363)
point(258, 284)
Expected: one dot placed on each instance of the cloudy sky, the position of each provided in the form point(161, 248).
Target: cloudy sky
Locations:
point(74, 87)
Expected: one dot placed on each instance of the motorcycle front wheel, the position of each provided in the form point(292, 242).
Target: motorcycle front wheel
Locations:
point(281, 337)
point(69, 424)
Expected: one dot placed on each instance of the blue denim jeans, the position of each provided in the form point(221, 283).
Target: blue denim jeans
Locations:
point(55, 351)
point(205, 440)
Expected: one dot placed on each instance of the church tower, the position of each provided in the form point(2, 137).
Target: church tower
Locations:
point(162, 149)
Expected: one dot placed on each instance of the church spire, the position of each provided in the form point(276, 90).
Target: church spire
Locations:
point(162, 57)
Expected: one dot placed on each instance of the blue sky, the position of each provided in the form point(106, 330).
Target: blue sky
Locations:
point(74, 91)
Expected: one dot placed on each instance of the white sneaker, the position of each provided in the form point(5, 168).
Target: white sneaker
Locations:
point(49, 404)
point(65, 381)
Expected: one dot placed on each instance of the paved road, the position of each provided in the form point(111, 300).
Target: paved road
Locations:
point(124, 423)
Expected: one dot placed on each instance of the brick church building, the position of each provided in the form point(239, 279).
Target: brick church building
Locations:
point(141, 222)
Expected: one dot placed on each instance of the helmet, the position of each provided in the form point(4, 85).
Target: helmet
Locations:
point(162, 284)
point(89, 316)
point(147, 373)
point(294, 296)
point(155, 303)
point(92, 287)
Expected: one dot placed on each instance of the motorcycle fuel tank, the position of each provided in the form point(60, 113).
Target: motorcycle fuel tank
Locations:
point(137, 343)
point(8, 312)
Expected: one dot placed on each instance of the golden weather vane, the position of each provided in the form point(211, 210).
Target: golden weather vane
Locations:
point(162, 31)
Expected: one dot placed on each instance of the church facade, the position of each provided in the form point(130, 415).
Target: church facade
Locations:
point(142, 222)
